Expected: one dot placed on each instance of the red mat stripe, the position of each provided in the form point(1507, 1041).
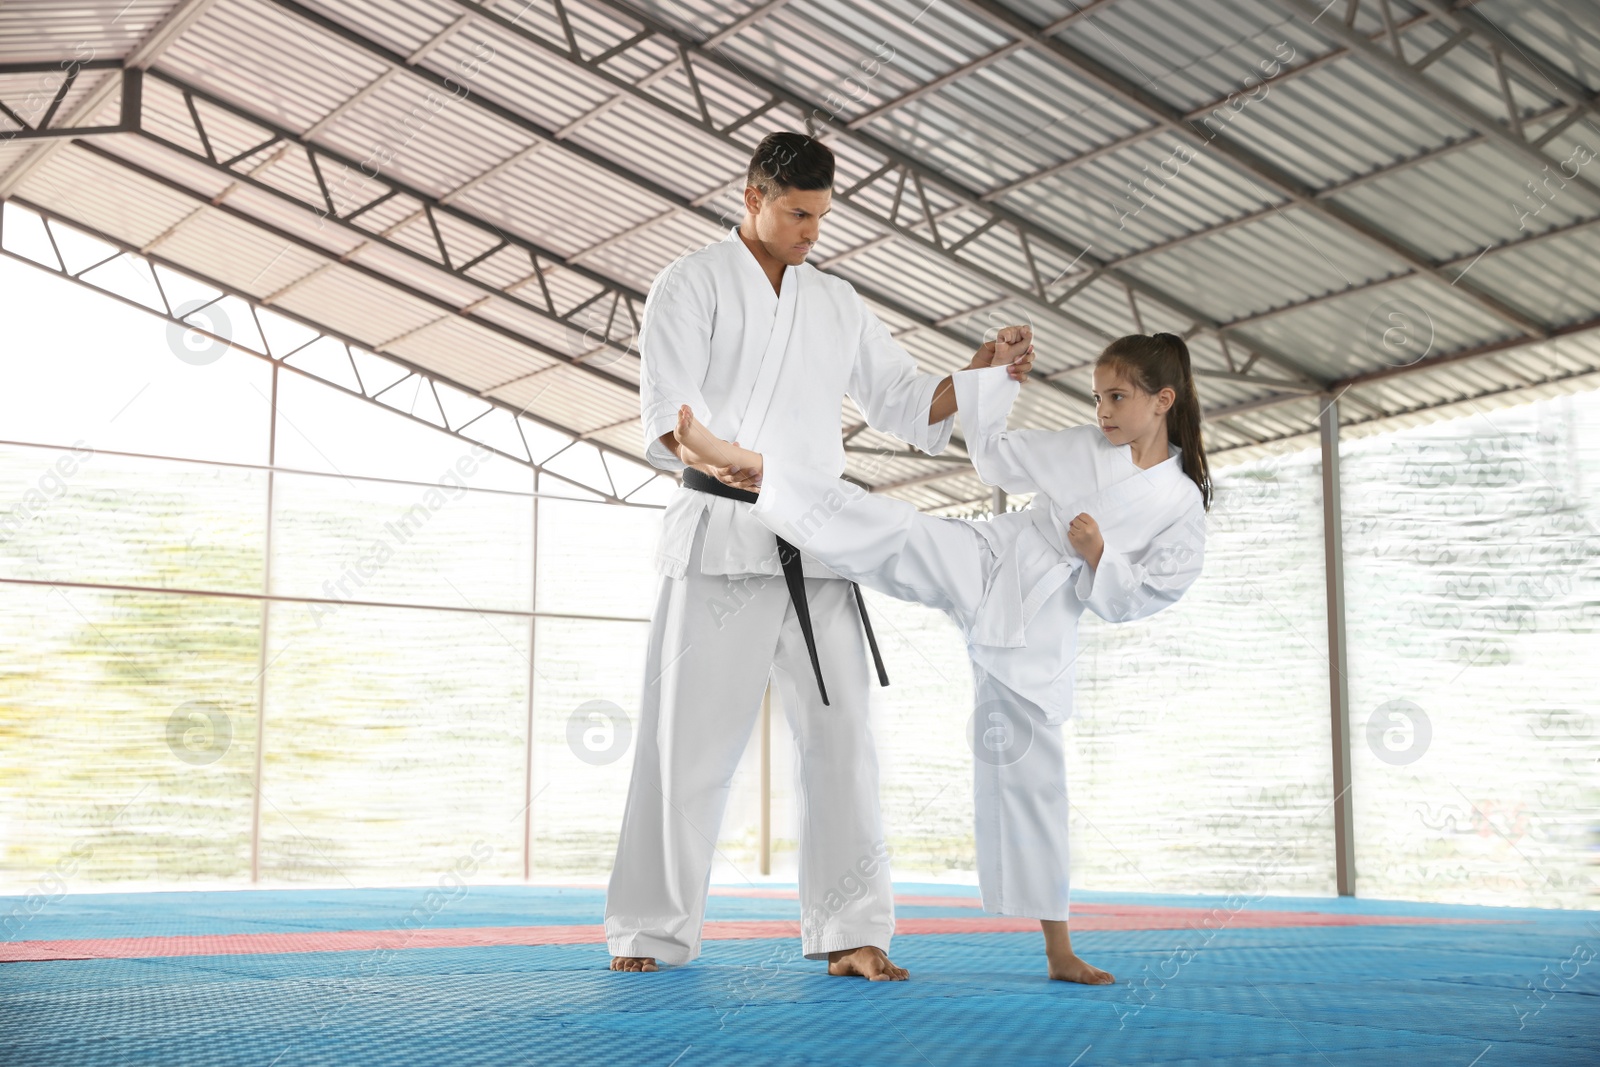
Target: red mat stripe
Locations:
point(1085, 917)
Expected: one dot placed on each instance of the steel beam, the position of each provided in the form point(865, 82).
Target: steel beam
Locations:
point(64, 67)
point(1025, 229)
point(1519, 56)
point(248, 177)
point(745, 21)
point(527, 125)
point(351, 264)
point(1472, 352)
point(431, 378)
point(1324, 193)
point(1245, 159)
point(1192, 115)
point(183, 15)
point(69, 71)
point(953, 75)
point(353, 219)
point(686, 205)
point(279, 598)
point(1462, 261)
point(1425, 88)
point(1252, 379)
point(790, 100)
point(973, 65)
point(1341, 386)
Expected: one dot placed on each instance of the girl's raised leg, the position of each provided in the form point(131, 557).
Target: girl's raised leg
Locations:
point(872, 539)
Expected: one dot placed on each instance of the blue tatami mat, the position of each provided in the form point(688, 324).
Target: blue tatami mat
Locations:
point(1367, 995)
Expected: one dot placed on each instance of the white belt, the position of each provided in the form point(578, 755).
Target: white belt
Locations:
point(1005, 610)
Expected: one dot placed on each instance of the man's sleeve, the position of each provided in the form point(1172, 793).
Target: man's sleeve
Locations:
point(674, 352)
point(891, 392)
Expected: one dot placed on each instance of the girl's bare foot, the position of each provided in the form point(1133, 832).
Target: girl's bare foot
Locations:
point(633, 963)
point(692, 435)
point(1065, 965)
point(867, 962)
point(1070, 968)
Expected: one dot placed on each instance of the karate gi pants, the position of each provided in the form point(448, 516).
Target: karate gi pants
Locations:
point(1020, 807)
point(713, 643)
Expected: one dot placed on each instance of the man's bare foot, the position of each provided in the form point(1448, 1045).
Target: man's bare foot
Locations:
point(692, 435)
point(1065, 965)
point(633, 963)
point(867, 962)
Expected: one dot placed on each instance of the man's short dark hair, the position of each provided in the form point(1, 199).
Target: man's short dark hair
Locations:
point(784, 161)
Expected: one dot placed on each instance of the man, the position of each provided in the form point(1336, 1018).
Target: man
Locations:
point(763, 348)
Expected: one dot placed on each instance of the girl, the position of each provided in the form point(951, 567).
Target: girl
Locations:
point(1116, 525)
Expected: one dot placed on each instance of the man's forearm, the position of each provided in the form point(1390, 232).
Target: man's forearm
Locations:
point(943, 404)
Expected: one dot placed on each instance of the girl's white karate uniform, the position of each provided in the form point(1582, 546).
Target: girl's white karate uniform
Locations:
point(770, 370)
point(1016, 587)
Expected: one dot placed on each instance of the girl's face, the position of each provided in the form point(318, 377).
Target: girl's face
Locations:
point(1125, 412)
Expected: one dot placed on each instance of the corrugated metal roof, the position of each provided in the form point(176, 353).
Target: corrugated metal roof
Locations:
point(50, 30)
point(1311, 211)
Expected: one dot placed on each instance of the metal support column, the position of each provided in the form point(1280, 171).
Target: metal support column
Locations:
point(1338, 678)
point(766, 780)
point(261, 652)
point(533, 624)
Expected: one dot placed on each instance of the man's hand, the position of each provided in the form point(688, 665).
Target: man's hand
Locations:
point(1084, 533)
point(722, 471)
point(1012, 346)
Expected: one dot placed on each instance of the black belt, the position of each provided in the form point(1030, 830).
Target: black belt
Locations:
point(789, 560)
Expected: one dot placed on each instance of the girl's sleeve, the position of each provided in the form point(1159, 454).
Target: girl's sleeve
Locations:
point(1013, 460)
point(1125, 587)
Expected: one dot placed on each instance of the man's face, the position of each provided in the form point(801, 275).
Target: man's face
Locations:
point(787, 225)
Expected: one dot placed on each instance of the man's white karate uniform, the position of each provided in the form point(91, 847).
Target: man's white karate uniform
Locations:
point(770, 370)
point(1016, 587)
